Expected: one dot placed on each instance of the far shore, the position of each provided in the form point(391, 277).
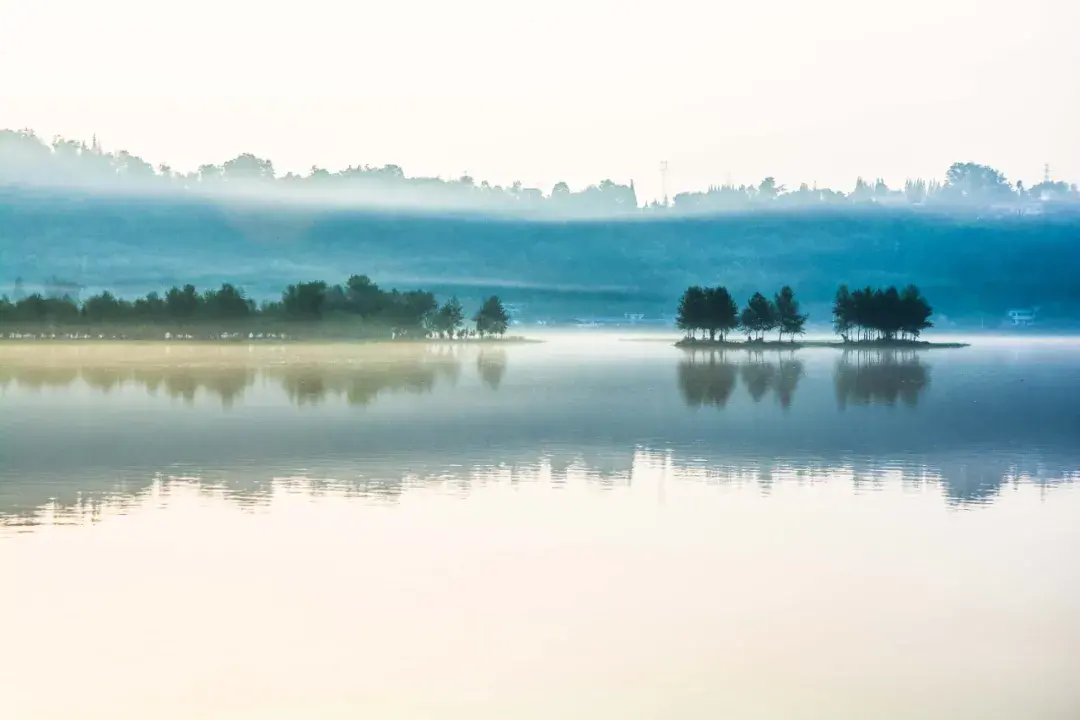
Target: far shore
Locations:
point(204, 338)
point(694, 343)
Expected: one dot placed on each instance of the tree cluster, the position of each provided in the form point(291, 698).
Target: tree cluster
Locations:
point(413, 313)
point(880, 314)
point(178, 305)
point(24, 157)
point(712, 310)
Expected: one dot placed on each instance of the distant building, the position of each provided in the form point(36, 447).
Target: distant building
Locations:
point(1021, 317)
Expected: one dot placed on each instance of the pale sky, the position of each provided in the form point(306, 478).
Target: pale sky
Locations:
point(574, 90)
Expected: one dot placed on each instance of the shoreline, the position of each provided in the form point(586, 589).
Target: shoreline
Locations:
point(262, 339)
point(694, 344)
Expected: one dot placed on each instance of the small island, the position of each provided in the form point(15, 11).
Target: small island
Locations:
point(865, 318)
point(357, 310)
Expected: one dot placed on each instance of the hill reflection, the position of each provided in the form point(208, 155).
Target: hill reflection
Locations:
point(962, 482)
point(709, 377)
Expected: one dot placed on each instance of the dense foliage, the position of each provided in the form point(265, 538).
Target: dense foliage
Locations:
point(413, 313)
point(881, 313)
point(26, 158)
point(109, 221)
point(713, 310)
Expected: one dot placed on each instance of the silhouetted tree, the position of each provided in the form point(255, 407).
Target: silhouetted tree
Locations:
point(449, 318)
point(106, 308)
point(182, 304)
point(915, 312)
point(304, 300)
point(491, 318)
point(693, 310)
point(843, 312)
point(758, 317)
point(881, 313)
point(226, 303)
point(788, 318)
point(722, 314)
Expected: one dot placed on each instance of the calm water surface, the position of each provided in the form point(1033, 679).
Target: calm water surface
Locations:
point(614, 529)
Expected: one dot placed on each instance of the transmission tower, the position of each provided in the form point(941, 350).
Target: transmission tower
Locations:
point(1046, 173)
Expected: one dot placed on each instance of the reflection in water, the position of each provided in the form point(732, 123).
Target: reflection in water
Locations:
point(706, 379)
point(580, 543)
point(359, 382)
point(491, 364)
point(966, 483)
point(709, 377)
point(590, 414)
point(880, 376)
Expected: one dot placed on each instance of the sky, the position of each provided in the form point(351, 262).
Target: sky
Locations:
point(565, 90)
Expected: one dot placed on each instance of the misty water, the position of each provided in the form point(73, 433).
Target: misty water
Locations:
point(587, 527)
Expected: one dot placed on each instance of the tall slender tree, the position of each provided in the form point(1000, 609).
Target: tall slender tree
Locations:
point(788, 318)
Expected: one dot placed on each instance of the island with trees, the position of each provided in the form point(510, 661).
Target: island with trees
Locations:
point(867, 317)
point(356, 310)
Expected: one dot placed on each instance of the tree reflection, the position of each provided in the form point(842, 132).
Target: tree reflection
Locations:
point(491, 364)
point(706, 379)
point(359, 384)
point(864, 377)
point(309, 383)
point(709, 378)
point(37, 377)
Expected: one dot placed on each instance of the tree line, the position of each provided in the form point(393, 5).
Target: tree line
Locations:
point(867, 314)
point(881, 314)
point(25, 157)
point(406, 314)
point(712, 311)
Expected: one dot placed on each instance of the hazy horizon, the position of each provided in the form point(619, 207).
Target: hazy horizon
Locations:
point(820, 94)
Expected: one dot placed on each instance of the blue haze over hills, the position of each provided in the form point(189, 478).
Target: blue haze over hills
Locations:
point(973, 261)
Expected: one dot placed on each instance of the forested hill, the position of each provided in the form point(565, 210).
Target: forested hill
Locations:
point(966, 265)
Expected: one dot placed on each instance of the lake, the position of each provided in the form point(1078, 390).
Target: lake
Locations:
point(584, 528)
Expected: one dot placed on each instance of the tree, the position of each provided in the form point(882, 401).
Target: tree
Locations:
point(151, 307)
point(881, 313)
point(721, 312)
point(693, 310)
point(182, 303)
point(449, 318)
point(226, 303)
point(971, 182)
point(247, 167)
point(915, 312)
point(843, 312)
point(758, 317)
point(304, 300)
point(105, 307)
point(363, 296)
point(788, 318)
point(491, 319)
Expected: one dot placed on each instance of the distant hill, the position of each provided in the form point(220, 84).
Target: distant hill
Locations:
point(966, 264)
